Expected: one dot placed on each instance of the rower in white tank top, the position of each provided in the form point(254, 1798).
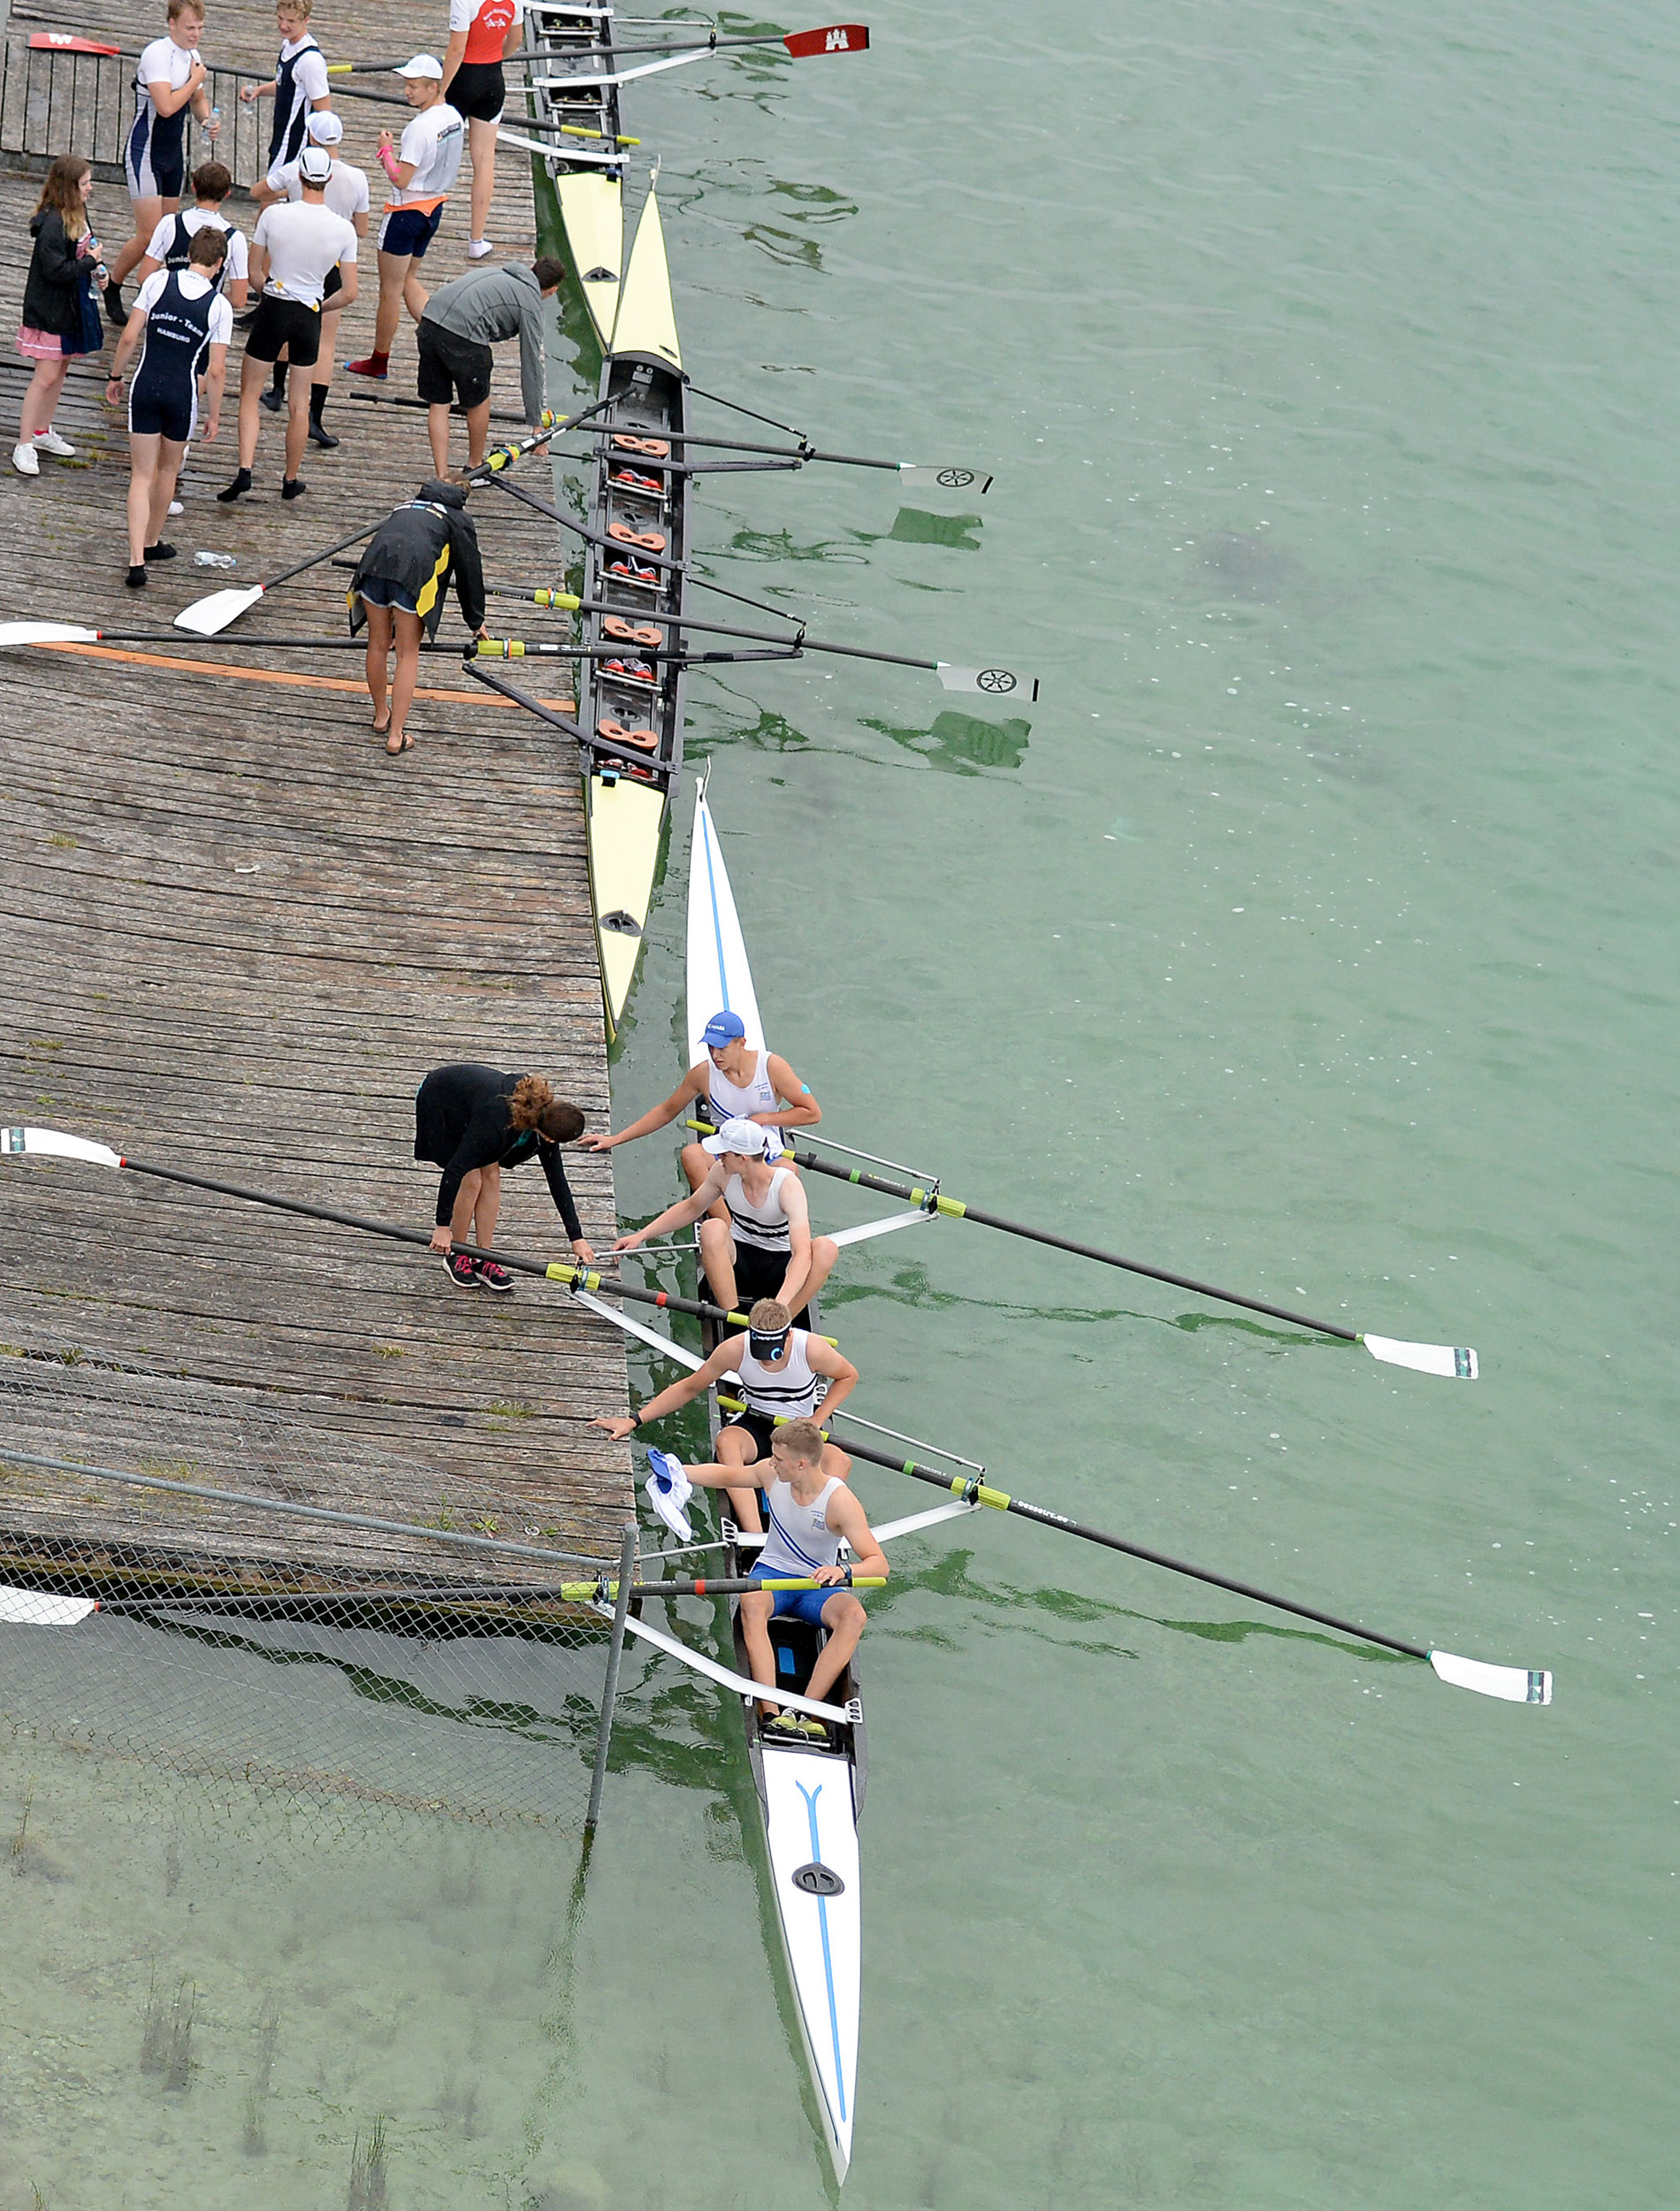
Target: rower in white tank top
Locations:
point(787, 1391)
point(764, 1225)
point(799, 1538)
point(744, 1101)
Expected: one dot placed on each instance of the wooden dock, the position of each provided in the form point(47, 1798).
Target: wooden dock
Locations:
point(234, 937)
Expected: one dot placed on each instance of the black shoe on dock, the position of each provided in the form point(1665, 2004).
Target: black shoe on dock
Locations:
point(319, 434)
point(464, 1272)
point(495, 1276)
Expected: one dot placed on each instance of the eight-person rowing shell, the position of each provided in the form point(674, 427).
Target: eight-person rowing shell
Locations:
point(732, 1083)
point(764, 1247)
point(812, 1512)
point(780, 1369)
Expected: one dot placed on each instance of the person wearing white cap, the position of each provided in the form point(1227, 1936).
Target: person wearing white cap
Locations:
point(294, 249)
point(347, 196)
point(732, 1083)
point(763, 1246)
point(422, 169)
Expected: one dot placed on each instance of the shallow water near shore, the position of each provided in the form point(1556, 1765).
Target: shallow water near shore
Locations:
point(1314, 932)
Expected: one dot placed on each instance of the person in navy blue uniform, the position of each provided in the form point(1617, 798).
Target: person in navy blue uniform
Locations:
point(171, 82)
point(299, 87)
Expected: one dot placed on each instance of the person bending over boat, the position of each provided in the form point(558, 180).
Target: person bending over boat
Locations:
point(812, 1512)
point(400, 588)
point(764, 1247)
point(472, 1121)
point(779, 1367)
point(732, 1083)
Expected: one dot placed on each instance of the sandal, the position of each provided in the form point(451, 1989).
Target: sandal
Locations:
point(404, 743)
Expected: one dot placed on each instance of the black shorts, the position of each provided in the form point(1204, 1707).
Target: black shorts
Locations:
point(334, 283)
point(451, 367)
point(758, 1426)
point(760, 1273)
point(479, 91)
point(282, 326)
point(153, 414)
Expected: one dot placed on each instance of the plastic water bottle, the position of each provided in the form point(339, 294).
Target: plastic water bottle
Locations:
point(214, 560)
point(212, 122)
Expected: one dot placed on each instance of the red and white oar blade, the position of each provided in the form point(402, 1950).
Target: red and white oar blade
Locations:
point(68, 42)
point(209, 618)
point(33, 1608)
point(835, 38)
point(1515, 1685)
point(1456, 1362)
point(53, 1143)
point(45, 633)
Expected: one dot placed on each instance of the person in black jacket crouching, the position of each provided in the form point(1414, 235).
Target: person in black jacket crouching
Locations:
point(472, 1121)
point(398, 589)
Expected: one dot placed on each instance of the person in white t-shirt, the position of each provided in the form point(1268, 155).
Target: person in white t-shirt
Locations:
point(482, 34)
point(167, 247)
point(422, 169)
point(169, 80)
point(294, 250)
point(182, 325)
point(346, 195)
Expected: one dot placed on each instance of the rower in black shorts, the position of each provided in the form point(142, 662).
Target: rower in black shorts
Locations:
point(764, 1247)
point(183, 325)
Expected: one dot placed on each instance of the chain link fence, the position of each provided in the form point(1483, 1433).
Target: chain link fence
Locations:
point(183, 1588)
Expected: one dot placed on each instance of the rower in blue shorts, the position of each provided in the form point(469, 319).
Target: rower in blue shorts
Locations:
point(170, 82)
point(810, 1516)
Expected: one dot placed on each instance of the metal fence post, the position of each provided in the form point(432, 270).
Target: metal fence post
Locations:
point(609, 1692)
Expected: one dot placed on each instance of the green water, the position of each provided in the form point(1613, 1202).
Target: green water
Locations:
point(1314, 932)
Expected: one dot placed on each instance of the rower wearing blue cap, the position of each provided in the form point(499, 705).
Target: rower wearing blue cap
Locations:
point(733, 1082)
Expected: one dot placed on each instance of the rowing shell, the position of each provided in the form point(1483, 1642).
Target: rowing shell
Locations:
point(809, 1797)
point(580, 151)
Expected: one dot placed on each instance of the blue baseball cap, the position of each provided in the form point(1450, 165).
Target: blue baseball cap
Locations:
point(723, 1028)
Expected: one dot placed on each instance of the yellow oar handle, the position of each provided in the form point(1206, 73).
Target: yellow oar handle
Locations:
point(577, 130)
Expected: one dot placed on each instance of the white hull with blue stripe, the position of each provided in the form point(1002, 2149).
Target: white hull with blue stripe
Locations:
point(718, 977)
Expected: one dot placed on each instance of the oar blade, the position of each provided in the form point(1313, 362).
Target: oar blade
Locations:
point(931, 478)
point(834, 38)
point(36, 1608)
point(1456, 1363)
point(209, 618)
point(53, 1144)
point(990, 683)
point(45, 633)
point(1514, 1684)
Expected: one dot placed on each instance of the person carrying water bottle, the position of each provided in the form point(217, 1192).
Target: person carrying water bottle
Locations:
point(299, 87)
point(60, 316)
point(180, 319)
point(169, 80)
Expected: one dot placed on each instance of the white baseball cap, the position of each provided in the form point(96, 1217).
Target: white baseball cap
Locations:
point(751, 1138)
point(325, 128)
point(423, 65)
point(314, 165)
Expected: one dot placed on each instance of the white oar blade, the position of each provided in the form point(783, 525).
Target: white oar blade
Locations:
point(209, 618)
point(45, 633)
point(958, 1508)
point(867, 1228)
point(698, 1662)
point(33, 1607)
point(1424, 1358)
point(922, 473)
point(53, 1143)
point(990, 683)
point(1516, 1684)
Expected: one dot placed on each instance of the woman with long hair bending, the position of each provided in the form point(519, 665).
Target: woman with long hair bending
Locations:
point(473, 1120)
point(60, 314)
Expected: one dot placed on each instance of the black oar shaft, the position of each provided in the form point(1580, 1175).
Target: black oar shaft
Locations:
point(1000, 1501)
point(957, 1211)
point(315, 559)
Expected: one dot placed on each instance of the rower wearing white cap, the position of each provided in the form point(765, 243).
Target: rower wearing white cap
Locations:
point(732, 1083)
point(781, 1370)
point(762, 1247)
point(422, 171)
point(347, 195)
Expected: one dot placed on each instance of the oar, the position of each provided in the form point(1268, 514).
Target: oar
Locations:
point(208, 616)
point(991, 683)
point(581, 529)
point(946, 478)
point(398, 399)
point(513, 649)
point(833, 38)
point(67, 633)
point(1424, 1358)
point(1516, 1684)
point(55, 1144)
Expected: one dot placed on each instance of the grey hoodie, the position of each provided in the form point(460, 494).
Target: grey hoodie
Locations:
point(486, 305)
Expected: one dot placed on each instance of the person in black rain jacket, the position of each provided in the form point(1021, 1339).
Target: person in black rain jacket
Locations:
point(473, 1120)
point(399, 588)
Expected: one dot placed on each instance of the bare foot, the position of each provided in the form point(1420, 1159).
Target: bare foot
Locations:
point(399, 741)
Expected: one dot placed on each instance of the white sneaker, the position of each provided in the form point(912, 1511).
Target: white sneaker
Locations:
point(23, 459)
point(175, 506)
point(479, 250)
point(48, 441)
